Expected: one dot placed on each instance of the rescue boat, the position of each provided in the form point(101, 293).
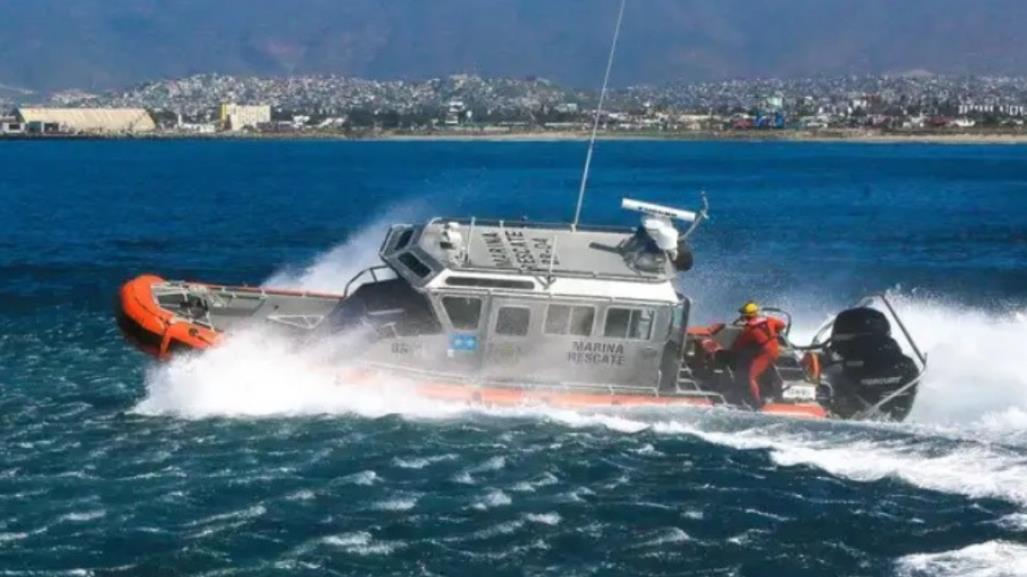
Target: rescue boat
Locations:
point(513, 312)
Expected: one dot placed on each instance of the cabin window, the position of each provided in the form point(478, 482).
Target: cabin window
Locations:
point(489, 282)
point(388, 302)
point(404, 240)
point(570, 320)
point(513, 321)
point(464, 312)
point(411, 321)
point(414, 264)
point(629, 323)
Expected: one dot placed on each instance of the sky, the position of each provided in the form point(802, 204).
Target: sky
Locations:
point(103, 44)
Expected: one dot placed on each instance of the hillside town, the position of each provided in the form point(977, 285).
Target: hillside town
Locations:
point(212, 104)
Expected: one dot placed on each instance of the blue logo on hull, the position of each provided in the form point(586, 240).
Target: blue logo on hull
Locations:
point(463, 342)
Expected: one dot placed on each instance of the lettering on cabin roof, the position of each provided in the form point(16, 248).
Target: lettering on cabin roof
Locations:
point(497, 250)
point(515, 249)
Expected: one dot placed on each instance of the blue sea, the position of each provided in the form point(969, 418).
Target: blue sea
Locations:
point(249, 459)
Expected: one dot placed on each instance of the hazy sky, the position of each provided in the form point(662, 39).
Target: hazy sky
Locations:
point(96, 44)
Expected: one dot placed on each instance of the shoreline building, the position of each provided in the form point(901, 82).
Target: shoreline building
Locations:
point(456, 112)
point(85, 120)
point(11, 125)
point(240, 116)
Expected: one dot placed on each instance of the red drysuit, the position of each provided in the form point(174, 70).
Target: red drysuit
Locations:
point(758, 345)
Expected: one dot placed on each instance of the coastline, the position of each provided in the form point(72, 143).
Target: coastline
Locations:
point(834, 136)
point(826, 136)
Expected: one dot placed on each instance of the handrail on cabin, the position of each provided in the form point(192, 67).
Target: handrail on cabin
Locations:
point(369, 270)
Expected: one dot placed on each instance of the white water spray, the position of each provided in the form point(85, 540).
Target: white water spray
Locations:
point(965, 434)
point(257, 374)
point(330, 271)
point(976, 363)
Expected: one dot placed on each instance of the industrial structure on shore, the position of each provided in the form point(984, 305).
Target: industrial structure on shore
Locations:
point(104, 121)
point(112, 121)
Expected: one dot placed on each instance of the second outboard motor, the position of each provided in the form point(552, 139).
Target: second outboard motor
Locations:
point(864, 365)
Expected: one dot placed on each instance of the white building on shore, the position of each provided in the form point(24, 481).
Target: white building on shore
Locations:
point(240, 116)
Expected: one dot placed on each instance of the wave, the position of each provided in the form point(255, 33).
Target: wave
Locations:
point(362, 543)
point(990, 559)
point(869, 453)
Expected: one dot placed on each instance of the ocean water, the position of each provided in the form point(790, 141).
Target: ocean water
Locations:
point(250, 460)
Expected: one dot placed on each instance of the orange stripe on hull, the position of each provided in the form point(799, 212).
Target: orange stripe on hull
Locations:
point(512, 397)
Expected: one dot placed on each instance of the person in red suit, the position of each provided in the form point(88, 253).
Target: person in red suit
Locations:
point(756, 348)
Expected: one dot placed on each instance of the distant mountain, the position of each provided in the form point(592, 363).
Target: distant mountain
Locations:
point(100, 44)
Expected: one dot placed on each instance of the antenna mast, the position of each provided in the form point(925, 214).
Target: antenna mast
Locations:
point(595, 121)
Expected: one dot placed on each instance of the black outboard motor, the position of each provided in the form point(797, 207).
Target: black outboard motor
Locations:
point(864, 365)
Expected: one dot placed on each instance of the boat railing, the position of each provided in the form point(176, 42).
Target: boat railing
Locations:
point(544, 272)
point(820, 340)
point(376, 273)
point(920, 356)
point(565, 226)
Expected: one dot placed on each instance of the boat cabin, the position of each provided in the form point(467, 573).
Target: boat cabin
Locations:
point(523, 302)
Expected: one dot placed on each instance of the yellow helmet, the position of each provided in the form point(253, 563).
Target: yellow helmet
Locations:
point(750, 309)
